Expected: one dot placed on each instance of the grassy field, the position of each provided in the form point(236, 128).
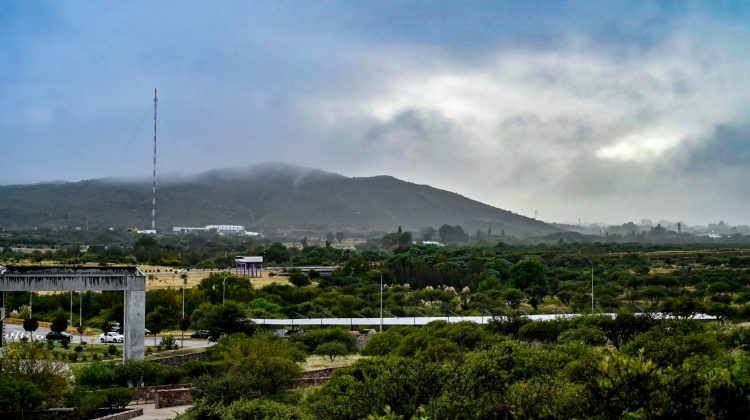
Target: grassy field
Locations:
point(161, 277)
point(315, 362)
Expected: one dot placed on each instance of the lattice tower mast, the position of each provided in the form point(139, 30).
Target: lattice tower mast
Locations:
point(153, 188)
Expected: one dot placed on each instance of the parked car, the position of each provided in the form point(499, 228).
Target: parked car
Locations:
point(61, 336)
point(200, 334)
point(147, 332)
point(112, 337)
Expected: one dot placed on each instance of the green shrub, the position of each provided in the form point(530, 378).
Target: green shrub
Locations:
point(382, 344)
point(196, 368)
point(245, 409)
point(19, 395)
point(168, 342)
point(332, 350)
point(112, 349)
point(95, 375)
point(266, 376)
point(584, 334)
point(312, 339)
point(85, 403)
point(117, 398)
point(545, 331)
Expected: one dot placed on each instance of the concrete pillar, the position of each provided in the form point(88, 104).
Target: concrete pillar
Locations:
point(2, 321)
point(135, 324)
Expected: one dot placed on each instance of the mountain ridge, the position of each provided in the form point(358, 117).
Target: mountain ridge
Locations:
point(271, 197)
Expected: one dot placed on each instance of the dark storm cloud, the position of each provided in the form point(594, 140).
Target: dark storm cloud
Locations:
point(601, 110)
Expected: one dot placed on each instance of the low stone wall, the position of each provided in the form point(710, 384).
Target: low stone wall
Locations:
point(125, 415)
point(148, 393)
point(173, 397)
point(313, 378)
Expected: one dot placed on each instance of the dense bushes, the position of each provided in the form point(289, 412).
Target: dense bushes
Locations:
point(246, 409)
point(19, 396)
point(314, 338)
point(256, 366)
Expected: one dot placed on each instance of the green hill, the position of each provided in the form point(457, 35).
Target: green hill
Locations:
point(270, 197)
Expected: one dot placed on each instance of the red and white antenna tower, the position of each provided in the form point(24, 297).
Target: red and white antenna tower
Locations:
point(153, 189)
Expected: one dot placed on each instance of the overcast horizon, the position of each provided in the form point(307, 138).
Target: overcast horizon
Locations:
point(604, 111)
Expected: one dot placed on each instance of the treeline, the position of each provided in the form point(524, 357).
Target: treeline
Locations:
point(591, 367)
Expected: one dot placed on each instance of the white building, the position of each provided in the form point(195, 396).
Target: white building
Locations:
point(220, 229)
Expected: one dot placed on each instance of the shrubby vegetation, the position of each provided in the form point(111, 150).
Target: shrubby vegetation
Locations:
point(591, 366)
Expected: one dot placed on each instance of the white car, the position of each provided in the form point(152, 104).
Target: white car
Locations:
point(112, 337)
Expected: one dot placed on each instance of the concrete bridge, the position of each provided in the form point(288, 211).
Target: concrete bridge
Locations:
point(424, 320)
point(128, 279)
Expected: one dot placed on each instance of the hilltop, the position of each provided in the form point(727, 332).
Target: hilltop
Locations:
point(271, 197)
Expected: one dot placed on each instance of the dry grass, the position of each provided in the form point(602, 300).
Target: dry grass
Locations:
point(324, 362)
point(161, 277)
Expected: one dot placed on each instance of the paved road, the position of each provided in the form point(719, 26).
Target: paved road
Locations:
point(152, 413)
point(14, 332)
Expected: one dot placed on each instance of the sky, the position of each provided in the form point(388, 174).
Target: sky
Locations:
point(600, 111)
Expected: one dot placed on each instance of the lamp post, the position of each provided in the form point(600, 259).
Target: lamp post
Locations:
point(592, 285)
point(224, 289)
point(381, 299)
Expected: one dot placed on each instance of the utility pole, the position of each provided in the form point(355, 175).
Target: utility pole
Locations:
point(592, 286)
point(153, 189)
point(381, 299)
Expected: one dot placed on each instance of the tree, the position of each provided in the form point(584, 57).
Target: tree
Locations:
point(59, 322)
point(426, 233)
point(298, 278)
point(32, 362)
point(681, 307)
point(30, 325)
point(332, 349)
point(340, 236)
point(528, 275)
point(237, 287)
point(223, 319)
point(160, 319)
point(451, 234)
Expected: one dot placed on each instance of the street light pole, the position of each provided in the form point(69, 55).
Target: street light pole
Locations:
point(381, 299)
point(224, 289)
point(592, 286)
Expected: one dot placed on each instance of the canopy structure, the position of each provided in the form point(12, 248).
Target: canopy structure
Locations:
point(58, 278)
